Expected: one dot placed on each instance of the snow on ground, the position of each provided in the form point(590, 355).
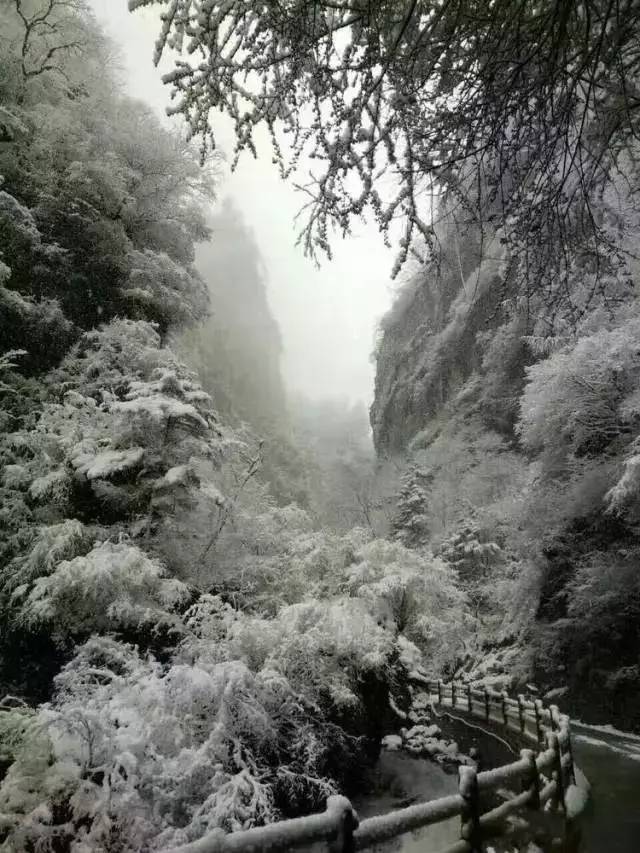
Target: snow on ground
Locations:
point(607, 728)
point(609, 737)
point(633, 753)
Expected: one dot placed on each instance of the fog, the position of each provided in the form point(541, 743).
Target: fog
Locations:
point(327, 316)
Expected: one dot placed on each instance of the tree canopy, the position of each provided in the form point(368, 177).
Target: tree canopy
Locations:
point(519, 114)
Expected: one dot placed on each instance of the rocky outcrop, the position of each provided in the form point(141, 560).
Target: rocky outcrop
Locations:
point(433, 340)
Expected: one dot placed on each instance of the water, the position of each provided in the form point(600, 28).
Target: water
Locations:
point(400, 780)
point(611, 762)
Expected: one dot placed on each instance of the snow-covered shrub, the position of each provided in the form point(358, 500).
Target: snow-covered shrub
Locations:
point(130, 440)
point(470, 551)
point(18, 724)
point(141, 756)
point(113, 586)
point(159, 287)
point(74, 585)
point(29, 788)
point(269, 556)
point(326, 647)
point(17, 221)
point(50, 546)
point(323, 648)
point(582, 400)
point(414, 594)
point(623, 497)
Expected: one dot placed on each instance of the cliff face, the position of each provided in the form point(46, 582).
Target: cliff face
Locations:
point(520, 432)
point(237, 348)
point(433, 341)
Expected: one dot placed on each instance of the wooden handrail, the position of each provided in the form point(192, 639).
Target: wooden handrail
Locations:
point(545, 772)
point(384, 827)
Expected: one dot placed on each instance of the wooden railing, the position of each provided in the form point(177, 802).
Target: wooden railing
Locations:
point(543, 773)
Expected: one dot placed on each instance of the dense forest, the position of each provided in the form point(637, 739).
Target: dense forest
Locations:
point(521, 443)
point(175, 535)
point(212, 590)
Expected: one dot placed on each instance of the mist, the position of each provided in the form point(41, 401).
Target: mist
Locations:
point(328, 316)
point(273, 536)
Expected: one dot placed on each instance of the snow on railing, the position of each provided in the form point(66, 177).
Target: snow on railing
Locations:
point(545, 771)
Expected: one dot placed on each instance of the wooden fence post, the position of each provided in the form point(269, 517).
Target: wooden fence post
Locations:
point(505, 715)
point(470, 829)
point(453, 694)
point(469, 700)
point(521, 717)
point(557, 774)
point(554, 717)
point(347, 822)
point(439, 691)
point(487, 705)
point(572, 769)
point(536, 709)
point(533, 778)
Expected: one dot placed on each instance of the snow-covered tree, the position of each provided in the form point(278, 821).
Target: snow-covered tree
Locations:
point(116, 201)
point(582, 400)
point(475, 559)
point(470, 552)
point(411, 522)
point(439, 99)
point(113, 586)
point(415, 596)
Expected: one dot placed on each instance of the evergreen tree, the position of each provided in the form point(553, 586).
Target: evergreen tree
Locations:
point(411, 523)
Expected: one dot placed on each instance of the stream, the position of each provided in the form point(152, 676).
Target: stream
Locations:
point(401, 780)
point(610, 759)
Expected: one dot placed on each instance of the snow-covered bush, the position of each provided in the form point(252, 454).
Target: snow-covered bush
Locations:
point(268, 556)
point(73, 585)
point(414, 594)
point(50, 546)
point(323, 648)
point(113, 586)
point(140, 755)
point(582, 400)
point(131, 440)
point(157, 286)
point(623, 497)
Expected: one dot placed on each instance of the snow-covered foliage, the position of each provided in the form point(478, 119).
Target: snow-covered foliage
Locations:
point(98, 199)
point(157, 287)
point(129, 437)
point(115, 585)
point(584, 399)
point(234, 731)
point(208, 629)
point(624, 494)
point(468, 553)
point(416, 595)
point(518, 436)
point(442, 103)
point(323, 647)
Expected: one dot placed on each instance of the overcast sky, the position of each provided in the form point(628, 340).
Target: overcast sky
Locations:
point(327, 317)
